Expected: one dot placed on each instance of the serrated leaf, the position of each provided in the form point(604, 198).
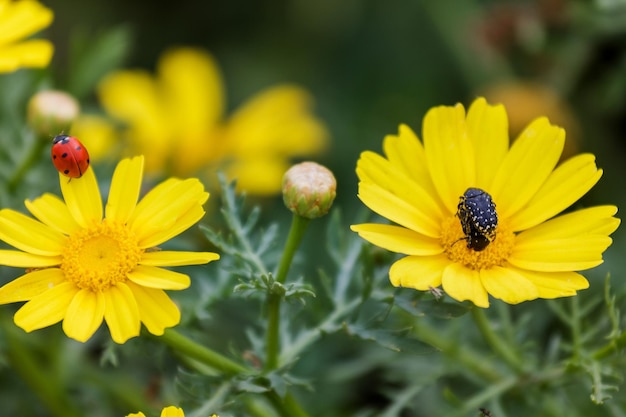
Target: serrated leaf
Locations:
point(428, 307)
point(396, 340)
point(268, 238)
point(244, 241)
point(253, 385)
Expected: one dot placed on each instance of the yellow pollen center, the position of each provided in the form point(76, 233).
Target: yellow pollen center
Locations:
point(100, 256)
point(455, 245)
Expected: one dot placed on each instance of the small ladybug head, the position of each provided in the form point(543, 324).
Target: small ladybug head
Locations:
point(60, 139)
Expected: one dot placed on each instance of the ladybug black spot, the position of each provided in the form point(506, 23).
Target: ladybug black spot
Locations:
point(64, 155)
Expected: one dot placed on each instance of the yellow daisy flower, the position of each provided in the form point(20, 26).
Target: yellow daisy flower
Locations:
point(84, 267)
point(442, 194)
point(18, 20)
point(170, 411)
point(177, 120)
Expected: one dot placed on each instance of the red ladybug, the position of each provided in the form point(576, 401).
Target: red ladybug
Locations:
point(69, 156)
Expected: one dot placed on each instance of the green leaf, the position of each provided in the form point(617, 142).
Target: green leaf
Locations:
point(396, 340)
point(419, 305)
point(92, 57)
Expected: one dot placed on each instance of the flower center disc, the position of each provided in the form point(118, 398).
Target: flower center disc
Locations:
point(100, 256)
point(455, 246)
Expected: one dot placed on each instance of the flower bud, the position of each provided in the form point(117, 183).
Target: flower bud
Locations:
point(52, 112)
point(309, 189)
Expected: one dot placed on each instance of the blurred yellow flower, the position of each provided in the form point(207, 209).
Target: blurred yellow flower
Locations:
point(170, 411)
point(177, 120)
point(97, 134)
point(18, 20)
point(84, 268)
point(442, 195)
point(526, 100)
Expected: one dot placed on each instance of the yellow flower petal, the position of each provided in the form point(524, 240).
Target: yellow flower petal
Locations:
point(30, 285)
point(488, 129)
point(449, 152)
point(555, 284)
point(260, 175)
point(134, 98)
point(164, 204)
point(405, 152)
point(156, 309)
point(192, 87)
point(463, 284)
point(278, 121)
point(29, 235)
point(52, 211)
point(596, 220)
point(153, 277)
point(172, 411)
point(84, 315)
point(420, 273)
point(82, 197)
point(568, 183)
point(163, 218)
point(177, 258)
point(121, 314)
point(23, 18)
point(397, 210)
point(526, 167)
point(145, 207)
point(560, 255)
point(124, 190)
point(373, 168)
point(398, 239)
point(170, 230)
point(35, 53)
point(46, 309)
point(141, 109)
point(139, 414)
point(508, 285)
point(27, 260)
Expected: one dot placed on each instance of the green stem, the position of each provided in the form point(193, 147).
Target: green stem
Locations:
point(496, 343)
point(613, 346)
point(273, 333)
point(310, 336)
point(293, 407)
point(464, 355)
point(33, 155)
point(188, 347)
point(296, 233)
point(37, 376)
point(492, 391)
point(575, 324)
point(287, 407)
